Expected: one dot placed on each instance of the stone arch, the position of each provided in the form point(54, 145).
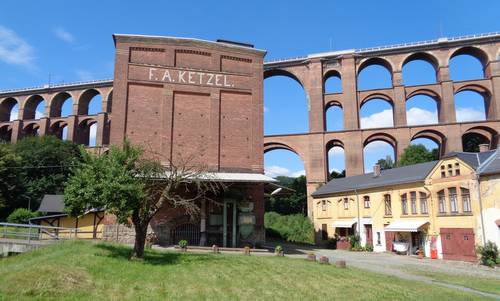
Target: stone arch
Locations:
point(383, 75)
point(31, 129)
point(109, 105)
point(385, 138)
point(328, 76)
point(376, 61)
point(372, 121)
point(474, 52)
point(30, 106)
point(270, 146)
point(84, 131)
point(57, 103)
point(330, 107)
point(419, 99)
point(330, 145)
point(84, 101)
point(424, 57)
point(5, 133)
point(481, 91)
point(376, 95)
point(282, 72)
point(6, 109)
point(434, 135)
point(58, 129)
point(481, 134)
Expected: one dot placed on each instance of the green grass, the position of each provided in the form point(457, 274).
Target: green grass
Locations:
point(85, 271)
point(18, 233)
point(484, 284)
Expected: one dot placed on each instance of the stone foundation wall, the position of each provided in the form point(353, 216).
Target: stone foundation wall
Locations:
point(120, 233)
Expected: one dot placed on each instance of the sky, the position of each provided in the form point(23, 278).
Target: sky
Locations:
point(66, 41)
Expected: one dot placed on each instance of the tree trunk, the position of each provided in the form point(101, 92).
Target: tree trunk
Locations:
point(140, 240)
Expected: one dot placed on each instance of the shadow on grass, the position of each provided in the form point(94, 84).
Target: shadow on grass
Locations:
point(154, 257)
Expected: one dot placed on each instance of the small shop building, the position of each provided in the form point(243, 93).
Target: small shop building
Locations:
point(443, 208)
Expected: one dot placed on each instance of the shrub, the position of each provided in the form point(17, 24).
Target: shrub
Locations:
point(278, 249)
point(355, 241)
point(369, 248)
point(489, 254)
point(183, 244)
point(21, 216)
point(293, 228)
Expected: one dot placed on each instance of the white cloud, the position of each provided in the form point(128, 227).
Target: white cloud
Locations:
point(416, 116)
point(266, 109)
point(85, 75)
point(335, 151)
point(377, 120)
point(275, 171)
point(93, 135)
point(376, 146)
point(15, 50)
point(64, 35)
point(469, 114)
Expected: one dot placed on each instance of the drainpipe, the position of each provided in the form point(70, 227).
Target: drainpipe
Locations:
point(359, 219)
point(476, 178)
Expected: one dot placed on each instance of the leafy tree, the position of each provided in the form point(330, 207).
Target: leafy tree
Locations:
point(130, 186)
point(46, 165)
point(386, 163)
point(21, 216)
point(11, 188)
point(293, 203)
point(335, 174)
point(416, 153)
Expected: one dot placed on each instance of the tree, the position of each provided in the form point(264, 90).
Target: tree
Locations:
point(416, 153)
point(46, 165)
point(386, 163)
point(11, 189)
point(293, 203)
point(132, 187)
point(336, 175)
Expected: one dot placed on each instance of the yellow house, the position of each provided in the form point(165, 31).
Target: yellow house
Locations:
point(89, 225)
point(444, 208)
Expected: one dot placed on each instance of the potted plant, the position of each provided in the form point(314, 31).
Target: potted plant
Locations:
point(279, 251)
point(183, 245)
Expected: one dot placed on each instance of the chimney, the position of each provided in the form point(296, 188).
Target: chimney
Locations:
point(484, 148)
point(376, 170)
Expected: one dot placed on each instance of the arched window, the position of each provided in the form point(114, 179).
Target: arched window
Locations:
point(423, 203)
point(378, 152)
point(418, 72)
point(441, 202)
point(336, 161)
point(413, 202)
point(284, 96)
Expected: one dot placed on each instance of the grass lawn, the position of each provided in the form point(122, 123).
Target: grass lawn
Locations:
point(85, 271)
point(489, 285)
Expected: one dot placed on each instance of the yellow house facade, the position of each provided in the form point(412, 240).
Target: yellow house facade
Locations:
point(443, 208)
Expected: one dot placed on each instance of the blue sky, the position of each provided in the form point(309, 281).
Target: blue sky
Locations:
point(71, 41)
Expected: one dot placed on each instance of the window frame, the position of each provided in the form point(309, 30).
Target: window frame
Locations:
point(453, 199)
point(441, 196)
point(404, 204)
point(387, 205)
point(424, 209)
point(366, 201)
point(465, 200)
point(413, 202)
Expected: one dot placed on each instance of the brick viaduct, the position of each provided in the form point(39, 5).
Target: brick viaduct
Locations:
point(310, 72)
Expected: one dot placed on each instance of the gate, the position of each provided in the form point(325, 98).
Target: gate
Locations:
point(189, 232)
point(458, 244)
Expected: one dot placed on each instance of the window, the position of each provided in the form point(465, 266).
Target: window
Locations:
point(450, 170)
point(324, 232)
point(346, 203)
point(413, 199)
point(452, 192)
point(388, 206)
point(441, 202)
point(465, 199)
point(443, 172)
point(366, 201)
point(404, 204)
point(378, 238)
point(423, 203)
point(457, 169)
point(323, 205)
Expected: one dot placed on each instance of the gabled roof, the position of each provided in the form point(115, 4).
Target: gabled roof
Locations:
point(52, 203)
point(473, 159)
point(491, 165)
point(394, 176)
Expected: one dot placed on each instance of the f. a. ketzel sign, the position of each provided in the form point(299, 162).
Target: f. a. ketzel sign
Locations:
point(188, 77)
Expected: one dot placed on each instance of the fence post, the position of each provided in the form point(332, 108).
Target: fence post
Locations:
point(29, 235)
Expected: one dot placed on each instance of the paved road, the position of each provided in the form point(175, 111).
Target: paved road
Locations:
point(407, 267)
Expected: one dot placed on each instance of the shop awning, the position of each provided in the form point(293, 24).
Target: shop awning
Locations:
point(243, 177)
point(405, 225)
point(344, 223)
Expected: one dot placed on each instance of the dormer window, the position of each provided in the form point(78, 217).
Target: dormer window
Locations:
point(346, 203)
point(457, 169)
point(323, 205)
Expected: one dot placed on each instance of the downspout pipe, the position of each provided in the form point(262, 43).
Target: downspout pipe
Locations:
point(359, 218)
point(478, 183)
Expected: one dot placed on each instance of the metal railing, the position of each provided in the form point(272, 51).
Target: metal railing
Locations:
point(31, 232)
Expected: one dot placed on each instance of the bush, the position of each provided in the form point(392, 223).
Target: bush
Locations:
point(293, 228)
point(489, 254)
point(21, 216)
point(369, 248)
point(355, 241)
point(183, 244)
